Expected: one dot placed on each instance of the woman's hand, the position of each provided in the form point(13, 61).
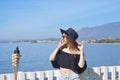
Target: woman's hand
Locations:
point(80, 46)
point(62, 44)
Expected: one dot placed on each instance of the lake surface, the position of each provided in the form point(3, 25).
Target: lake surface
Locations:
point(35, 56)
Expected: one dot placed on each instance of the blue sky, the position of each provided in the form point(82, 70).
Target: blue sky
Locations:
point(37, 19)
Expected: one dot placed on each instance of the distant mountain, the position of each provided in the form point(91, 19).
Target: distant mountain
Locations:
point(110, 30)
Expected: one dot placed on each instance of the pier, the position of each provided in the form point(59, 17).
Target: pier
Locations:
point(94, 73)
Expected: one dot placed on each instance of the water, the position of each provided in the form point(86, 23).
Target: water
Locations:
point(35, 57)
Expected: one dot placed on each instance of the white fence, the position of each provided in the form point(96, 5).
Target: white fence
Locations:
point(95, 73)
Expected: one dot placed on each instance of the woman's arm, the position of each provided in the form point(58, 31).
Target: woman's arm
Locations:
point(60, 46)
point(81, 62)
point(52, 56)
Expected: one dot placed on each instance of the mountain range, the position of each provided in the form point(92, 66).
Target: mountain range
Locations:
point(109, 30)
point(104, 31)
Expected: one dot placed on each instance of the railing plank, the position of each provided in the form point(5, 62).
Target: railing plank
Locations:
point(41, 75)
point(104, 73)
point(30, 75)
point(10, 76)
point(2, 77)
point(49, 75)
point(118, 70)
point(57, 74)
point(21, 76)
point(113, 73)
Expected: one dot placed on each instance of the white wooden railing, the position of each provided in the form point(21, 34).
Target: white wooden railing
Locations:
point(95, 73)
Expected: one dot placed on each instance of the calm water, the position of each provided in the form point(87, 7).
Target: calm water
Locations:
point(35, 57)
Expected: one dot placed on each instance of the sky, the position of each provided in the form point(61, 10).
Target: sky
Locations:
point(41, 19)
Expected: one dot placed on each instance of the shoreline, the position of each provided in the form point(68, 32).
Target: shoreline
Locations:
point(56, 41)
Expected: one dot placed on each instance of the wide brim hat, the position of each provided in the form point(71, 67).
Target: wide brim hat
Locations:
point(72, 34)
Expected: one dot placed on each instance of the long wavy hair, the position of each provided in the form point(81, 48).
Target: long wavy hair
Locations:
point(72, 46)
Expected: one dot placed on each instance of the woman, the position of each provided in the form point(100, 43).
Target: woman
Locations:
point(69, 56)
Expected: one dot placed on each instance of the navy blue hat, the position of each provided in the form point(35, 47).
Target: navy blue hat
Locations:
point(72, 34)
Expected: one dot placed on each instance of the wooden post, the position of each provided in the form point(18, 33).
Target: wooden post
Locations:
point(15, 62)
point(15, 72)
